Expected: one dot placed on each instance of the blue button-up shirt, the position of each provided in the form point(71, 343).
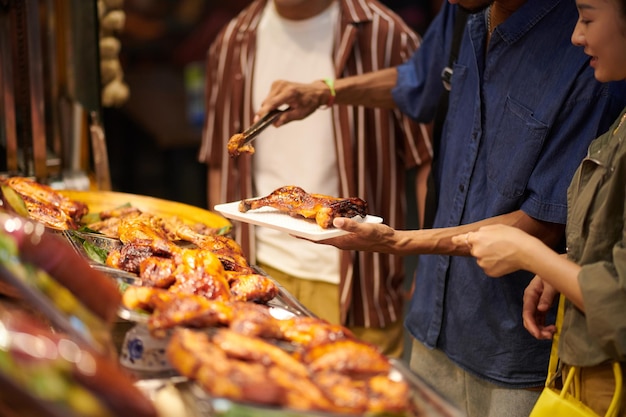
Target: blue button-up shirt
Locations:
point(518, 124)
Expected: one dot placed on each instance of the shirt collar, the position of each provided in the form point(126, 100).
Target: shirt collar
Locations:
point(355, 12)
point(525, 18)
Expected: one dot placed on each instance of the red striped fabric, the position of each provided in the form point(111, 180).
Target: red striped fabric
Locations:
point(374, 146)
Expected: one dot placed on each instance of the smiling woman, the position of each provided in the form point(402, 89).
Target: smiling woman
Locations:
point(601, 31)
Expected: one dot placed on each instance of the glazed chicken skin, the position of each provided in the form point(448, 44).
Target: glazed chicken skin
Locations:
point(149, 250)
point(250, 369)
point(296, 202)
point(143, 234)
point(236, 145)
point(46, 205)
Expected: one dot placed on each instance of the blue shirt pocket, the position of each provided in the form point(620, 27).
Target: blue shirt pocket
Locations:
point(516, 144)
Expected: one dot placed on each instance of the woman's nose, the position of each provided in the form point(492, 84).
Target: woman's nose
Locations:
point(578, 38)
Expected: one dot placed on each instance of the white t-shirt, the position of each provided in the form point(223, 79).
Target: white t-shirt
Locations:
point(300, 153)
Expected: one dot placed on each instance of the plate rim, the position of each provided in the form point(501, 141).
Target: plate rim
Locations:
point(226, 210)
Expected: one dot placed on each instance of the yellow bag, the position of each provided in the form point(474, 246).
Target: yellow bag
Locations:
point(565, 402)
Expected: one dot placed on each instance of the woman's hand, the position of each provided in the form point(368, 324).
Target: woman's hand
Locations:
point(498, 249)
point(538, 297)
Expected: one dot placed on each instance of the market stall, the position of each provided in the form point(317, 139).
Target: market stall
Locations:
point(114, 304)
point(197, 327)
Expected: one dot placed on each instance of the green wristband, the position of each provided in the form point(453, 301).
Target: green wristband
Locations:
point(331, 86)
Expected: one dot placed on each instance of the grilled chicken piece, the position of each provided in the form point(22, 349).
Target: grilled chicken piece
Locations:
point(200, 272)
point(311, 331)
point(252, 349)
point(245, 369)
point(146, 230)
point(231, 365)
point(46, 205)
point(386, 394)
point(236, 146)
point(254, 320)
point(347, 356)
point(349, 394)
point(253, 287)
point(227, 249)
point(158, 271)
point(300, 392)
point(195, 356)
point(148, 234)
point(376, 394)
point(192, 271)
point(129, 257)
point(110, 220)
point(188, 311)
point(172, 227)
point(296, 202)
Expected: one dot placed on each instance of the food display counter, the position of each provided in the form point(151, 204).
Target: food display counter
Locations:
point(114, 304)
point(249, 353)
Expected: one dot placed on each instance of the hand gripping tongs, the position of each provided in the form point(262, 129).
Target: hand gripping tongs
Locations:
point(260, 125)
point(239, 143)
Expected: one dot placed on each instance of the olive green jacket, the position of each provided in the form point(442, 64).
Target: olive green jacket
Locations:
point(596, 240)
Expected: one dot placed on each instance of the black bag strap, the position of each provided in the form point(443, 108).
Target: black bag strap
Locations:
point(440, 114)
point(446, 74)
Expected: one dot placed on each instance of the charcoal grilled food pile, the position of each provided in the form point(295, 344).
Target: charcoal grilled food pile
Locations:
point(213, 307)
point(214, 267)
point(240, 351)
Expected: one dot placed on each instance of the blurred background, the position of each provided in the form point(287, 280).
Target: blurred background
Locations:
point(153, 138)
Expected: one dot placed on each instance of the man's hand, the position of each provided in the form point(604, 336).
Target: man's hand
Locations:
point(302, 99)
point(369, 237)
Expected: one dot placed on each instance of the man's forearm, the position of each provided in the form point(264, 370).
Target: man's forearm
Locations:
point(439, 240)
point(370, 90)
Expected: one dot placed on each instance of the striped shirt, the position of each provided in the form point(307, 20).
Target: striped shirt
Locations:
point(374, 146)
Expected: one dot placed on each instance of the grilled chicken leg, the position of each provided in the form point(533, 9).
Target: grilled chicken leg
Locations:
point(296, 202)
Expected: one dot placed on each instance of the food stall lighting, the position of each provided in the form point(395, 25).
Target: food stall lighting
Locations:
point(36, 346)
point(86, 364)
point(4, 337)
point(69, 350)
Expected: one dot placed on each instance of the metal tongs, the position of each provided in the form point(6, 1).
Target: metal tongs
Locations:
point(252, 132)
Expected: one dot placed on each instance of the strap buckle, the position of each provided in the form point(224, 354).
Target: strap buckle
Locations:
point(446, 77)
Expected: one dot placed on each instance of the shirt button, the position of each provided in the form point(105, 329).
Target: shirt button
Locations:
point(461, 188)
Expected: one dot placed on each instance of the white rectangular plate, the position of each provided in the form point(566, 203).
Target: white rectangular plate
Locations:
point(272, 218)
